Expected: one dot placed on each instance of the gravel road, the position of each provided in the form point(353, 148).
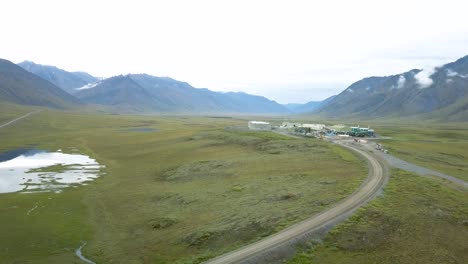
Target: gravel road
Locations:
point(263, 250)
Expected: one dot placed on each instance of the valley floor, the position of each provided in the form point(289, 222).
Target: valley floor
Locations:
point(416, 219)
point(175, 189)
point(186, 189)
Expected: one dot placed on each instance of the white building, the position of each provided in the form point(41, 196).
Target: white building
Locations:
point(316, 127)
point(259, 125)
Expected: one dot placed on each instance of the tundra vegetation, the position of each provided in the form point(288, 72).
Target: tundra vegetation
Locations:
point(191, 189)
point(416, 219)
point(441, 147)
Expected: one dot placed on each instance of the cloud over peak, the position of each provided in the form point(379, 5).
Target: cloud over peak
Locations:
point(401, 82)
point(423, 78)
point(452, 73)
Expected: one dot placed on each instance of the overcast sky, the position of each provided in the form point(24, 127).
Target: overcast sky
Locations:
point(289, 51)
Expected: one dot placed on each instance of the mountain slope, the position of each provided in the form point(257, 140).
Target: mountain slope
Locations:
point(88, 78)
point(292, 106)
point(22, 87)
point(240, 102)
point(142, 92)
point(414, 92)
point(187, 98)
point(121, 91)
point(68, 81)
point(454, 112)
point(174, 95)
point(309, 107)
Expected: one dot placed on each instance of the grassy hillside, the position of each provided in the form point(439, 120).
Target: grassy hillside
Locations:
point(188, 190)
point(454, 112)
point(416, 220)
point(402, 95)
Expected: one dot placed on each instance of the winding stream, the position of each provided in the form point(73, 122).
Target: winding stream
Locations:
point(80, 255)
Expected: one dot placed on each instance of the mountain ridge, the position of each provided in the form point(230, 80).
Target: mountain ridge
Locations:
point(308, 107)
point(441, 93)
point(22, 87)
point(147, 93)
point(68, 81)
point(163, 94)
point(412, 93)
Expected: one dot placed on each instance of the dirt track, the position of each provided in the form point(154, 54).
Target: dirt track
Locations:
point(17, 119)
point(258, 252)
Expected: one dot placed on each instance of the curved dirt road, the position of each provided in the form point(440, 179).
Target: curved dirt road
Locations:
point(369, 189)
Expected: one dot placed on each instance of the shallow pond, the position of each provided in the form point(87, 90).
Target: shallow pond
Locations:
point(34, 170)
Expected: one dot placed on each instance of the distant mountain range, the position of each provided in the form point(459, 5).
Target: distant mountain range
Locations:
point(440, 93)
point(22, 87)
point(309, 107)
point(146, 93)
point(68, 81)
point(141, 93)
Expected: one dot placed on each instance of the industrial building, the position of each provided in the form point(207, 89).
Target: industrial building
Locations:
point(259, 125)
point(358, 131)
point(315, 129)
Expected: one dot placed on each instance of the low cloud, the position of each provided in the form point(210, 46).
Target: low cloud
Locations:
point(451, 73)
point(423, 78)
point(401, 82)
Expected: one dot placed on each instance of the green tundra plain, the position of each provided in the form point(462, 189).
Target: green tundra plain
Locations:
point(180, 189)
point(441, 147)
point(416, 220)
point(187, 189)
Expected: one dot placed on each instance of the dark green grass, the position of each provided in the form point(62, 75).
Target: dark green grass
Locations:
point(186, 192)
point(42, 227)
point(416, 220)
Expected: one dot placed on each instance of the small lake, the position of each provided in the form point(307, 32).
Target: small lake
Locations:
point(25, 170)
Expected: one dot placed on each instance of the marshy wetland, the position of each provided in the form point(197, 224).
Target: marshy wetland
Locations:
point(35, 170)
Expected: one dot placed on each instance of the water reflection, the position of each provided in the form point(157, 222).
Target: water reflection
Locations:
point(34, 170)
